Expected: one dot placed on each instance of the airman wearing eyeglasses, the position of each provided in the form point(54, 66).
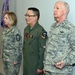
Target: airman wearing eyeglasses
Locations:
point(34, 42)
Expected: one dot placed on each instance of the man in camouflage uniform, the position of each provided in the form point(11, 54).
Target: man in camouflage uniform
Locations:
point(60, 47)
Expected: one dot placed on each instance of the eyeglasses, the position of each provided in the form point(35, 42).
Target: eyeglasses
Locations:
point(29, 15)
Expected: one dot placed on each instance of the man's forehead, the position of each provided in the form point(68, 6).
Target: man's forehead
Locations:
point(59, 4)
point(29, 12)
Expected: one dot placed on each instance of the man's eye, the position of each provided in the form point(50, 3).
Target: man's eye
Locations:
point(57, 8)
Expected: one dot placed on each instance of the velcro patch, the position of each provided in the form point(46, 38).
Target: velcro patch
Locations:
point(18, 37)
point(44, 35)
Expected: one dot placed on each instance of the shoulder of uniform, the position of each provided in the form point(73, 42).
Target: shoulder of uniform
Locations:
point(16, 31)
point(70, 26)
point(44, 34)
point(26, 27)
point(41, 28)
point(42, 31)
point(53, 25)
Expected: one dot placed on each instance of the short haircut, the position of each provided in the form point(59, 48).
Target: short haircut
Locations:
point(67, 7)
point(36, 11)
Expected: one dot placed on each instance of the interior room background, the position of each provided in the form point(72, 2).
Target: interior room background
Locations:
point(46, 12)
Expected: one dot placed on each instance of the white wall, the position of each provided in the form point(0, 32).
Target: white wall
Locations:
point(12, 5)
point(0, 27)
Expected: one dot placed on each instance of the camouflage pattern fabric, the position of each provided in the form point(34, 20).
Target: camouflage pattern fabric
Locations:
point(60, 46)
point(49, 73)
point(12, 50)
point(1, 74)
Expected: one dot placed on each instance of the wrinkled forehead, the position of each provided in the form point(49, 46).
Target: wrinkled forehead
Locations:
point(59, 4)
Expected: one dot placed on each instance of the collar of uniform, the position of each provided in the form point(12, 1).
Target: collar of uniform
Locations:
point(62, 23)
point(7, 30)
point(36, 24)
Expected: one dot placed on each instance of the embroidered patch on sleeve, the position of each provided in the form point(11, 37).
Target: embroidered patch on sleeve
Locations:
point(44, 35)
point(18, 37)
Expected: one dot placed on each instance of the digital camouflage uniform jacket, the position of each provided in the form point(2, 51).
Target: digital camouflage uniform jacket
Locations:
point(60, 46)
point(12, 45)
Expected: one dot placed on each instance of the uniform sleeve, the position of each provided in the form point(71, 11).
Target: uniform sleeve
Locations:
point(70, 58)
point(18, 46)
point(23, 42)
point(42, 44)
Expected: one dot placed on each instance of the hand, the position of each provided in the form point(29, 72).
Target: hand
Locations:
point(59, 65)
point(39, 71)
point(44, 71)
point(14, 63)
